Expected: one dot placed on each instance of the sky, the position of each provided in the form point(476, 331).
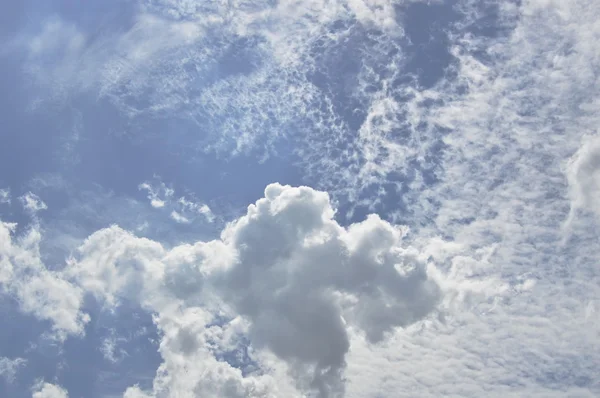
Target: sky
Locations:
point(317, 198)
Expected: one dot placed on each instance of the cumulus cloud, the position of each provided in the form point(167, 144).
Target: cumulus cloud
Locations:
point(320, 278)
point(191, 366)
point(47, 390)
point(39, 291)
point(297, 279)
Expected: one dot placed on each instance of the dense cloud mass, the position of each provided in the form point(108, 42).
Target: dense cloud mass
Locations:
point(287, 268)
point(286, 272)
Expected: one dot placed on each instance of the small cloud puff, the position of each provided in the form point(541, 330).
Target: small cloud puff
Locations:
point(183, 210)
point(5, 196)
point(158, 195)
point(32, 203)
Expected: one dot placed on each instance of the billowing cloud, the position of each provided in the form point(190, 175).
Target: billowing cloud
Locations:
point(48, 390)
point(297, 279)
point(38, 290)
point(320, 278)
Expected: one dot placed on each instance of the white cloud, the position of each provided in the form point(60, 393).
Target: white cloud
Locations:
point(183, 210)
point(54, 36)
point(583, 175)
point(295, 276)
point(157, 195)
point(513, 118)
point(301, 278)
point(62, 60)
point(190, 367)
point(346, 297)
point(179, 218)
point(196, 207)
point(110, 348)
point(5, 196)
point(9, 367)
point(113, 262)
point(127, 68)
point(32, 203)
point(47, 390)
point(509, 114)
point(38, 290)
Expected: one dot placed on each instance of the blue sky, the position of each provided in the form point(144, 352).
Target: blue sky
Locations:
point(349, 198)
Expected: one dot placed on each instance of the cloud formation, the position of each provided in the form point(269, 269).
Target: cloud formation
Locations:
point(38, 290)
point(48, 390)
point(32, 203)
point(297, 279)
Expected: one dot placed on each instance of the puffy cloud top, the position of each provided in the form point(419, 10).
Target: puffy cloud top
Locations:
point(287, 270)
point(47, 390)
